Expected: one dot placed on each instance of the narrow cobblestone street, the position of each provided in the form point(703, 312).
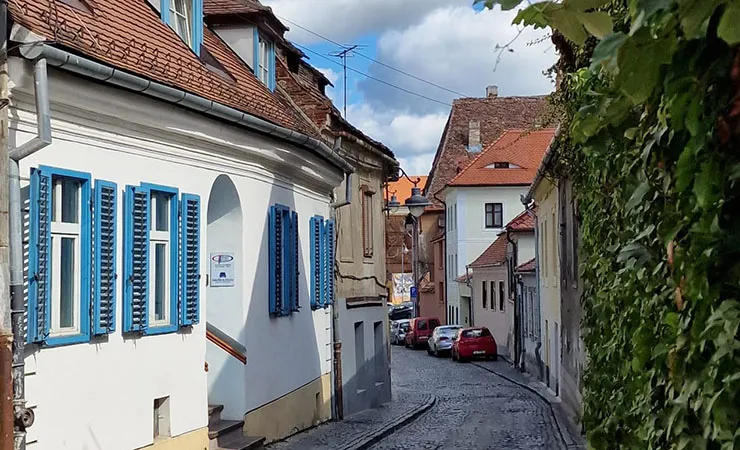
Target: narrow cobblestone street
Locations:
point(475, 409)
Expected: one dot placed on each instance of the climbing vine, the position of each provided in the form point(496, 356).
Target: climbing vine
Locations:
point(650, 135)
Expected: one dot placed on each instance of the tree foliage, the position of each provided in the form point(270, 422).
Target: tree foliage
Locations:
point(650, 135)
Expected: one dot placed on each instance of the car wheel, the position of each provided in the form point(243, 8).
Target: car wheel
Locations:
point(452, 355)
point(436, 351)
point(495, 357)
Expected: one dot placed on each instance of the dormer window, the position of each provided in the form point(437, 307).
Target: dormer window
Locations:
point(503, 165)
point(186, 18)
point(180, 16)
point(264, 59)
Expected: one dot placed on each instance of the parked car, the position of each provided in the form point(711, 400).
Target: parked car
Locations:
point(441, 340)
point(475, 342)
point(420, 329)
point(398, 331)
point(401, 311)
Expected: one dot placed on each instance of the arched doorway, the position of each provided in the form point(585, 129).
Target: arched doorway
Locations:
point(224, 296)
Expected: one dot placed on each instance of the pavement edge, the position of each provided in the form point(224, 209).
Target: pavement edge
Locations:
point(373, 437)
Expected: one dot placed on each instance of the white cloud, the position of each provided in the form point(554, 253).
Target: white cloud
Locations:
point(417, 165)
point(344, 20)
point(455, 47)
point(330, 74)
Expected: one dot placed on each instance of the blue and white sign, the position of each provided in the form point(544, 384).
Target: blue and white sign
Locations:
point(414, 294)
point(222, 269)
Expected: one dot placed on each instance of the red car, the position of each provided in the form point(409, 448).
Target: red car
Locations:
point(420, 329)
point(475, 342)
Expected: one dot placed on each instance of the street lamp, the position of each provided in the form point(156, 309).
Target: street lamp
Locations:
point(416, 204)
point(393, 204)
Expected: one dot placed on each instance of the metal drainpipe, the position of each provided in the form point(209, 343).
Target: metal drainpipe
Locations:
point(336, 340)
point(24, 417)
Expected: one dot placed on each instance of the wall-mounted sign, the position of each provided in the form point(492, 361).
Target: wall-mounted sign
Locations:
point(222, 269)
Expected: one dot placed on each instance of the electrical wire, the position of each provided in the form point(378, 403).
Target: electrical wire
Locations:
point(351, 69)
point(374, 60)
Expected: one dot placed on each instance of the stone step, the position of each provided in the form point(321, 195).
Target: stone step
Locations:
point(222, 427)
point(213, 409)
point(241, 443)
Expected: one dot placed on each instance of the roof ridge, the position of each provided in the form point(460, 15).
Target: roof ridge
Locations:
point(480, 155)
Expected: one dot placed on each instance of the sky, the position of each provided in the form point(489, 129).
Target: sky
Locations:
point(448, 43)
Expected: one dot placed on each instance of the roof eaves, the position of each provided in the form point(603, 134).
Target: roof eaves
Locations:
point(549, 154)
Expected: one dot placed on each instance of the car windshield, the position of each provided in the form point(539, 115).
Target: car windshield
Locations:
point(479, 332)
point(405, 326)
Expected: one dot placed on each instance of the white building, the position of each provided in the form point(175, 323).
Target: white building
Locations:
point(170, 223)
point(481, 199)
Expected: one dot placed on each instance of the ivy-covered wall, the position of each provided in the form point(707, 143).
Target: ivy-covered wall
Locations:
point(650, 121)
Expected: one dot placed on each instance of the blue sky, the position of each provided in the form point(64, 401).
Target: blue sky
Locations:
point(446, 42)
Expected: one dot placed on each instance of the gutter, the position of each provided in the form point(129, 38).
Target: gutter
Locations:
point(88, 68)
point(549, 155)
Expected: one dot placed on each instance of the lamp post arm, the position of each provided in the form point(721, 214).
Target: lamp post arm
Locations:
point(403, 172)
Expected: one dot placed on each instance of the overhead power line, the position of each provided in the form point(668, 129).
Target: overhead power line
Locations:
point(351, 69)
point(388, 66)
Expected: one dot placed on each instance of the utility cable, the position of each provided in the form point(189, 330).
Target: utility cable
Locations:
point(388, 66)
point(372, 77)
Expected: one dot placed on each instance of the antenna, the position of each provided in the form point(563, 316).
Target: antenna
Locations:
point(344, 53)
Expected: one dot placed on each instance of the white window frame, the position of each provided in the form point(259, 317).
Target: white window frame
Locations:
point(158, 237)
point(263, 60)
point(187, 14)
point(60, 230)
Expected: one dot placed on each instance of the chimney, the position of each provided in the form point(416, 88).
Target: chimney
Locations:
point(474, 136)
point(492, 91)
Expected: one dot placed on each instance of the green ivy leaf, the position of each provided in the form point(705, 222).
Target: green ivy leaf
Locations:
point(707, 184)
point(567, 23)
point(598, 23)
point(607, 50)
point(695, 16)
point(729, 26)
point(532, 15)
point(637, 196)
point(585, 5)
point(650, 7)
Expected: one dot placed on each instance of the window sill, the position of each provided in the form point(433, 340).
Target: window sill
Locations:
point(58, 341)
point(161, 329)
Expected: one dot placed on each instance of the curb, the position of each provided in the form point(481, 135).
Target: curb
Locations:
point(573, 444)
point(372, 437)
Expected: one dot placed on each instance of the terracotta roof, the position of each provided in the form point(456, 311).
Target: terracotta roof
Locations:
point(528, 266)
point(495, 115)
point(463, 278)
point(519, 148)
point(219, 7)
point(303, 90)
point(494, 255)
point(129, 35)
point(402, 187)
point(523, 222)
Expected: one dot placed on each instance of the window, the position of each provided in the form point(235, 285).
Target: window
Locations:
point(59, 256)
point(322, 262)
point(454, 215)
point(162, 427)
point(500, 165)
point(161, 259)
point(493, 295)
point(501, 296)
point(284, 272)
point(367, 222)
point(494, 215)
point(185, 17)
point(264, 59)
point(485, 295)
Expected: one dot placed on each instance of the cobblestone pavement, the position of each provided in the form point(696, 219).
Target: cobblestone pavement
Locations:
point(336, 435)
point(475, 409)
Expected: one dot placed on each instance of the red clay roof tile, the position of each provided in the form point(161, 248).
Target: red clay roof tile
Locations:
point(495, 115)
point(517, 147)
point(494, 255)
point(522, 222)
point(129, 35)
point(528, 266)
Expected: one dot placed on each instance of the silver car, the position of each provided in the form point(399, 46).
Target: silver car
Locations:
point(398, 331)
point(441, 340)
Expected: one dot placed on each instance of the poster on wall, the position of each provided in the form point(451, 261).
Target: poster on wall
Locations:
point(402, 283)
point(222, 269)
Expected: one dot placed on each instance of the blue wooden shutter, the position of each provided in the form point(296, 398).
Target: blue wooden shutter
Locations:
point(190, 238)
point(39, 281)
point(136, 276)
point(317, 269)
point(329, 262)
point(104, 301)
point(276, 260)
point(295, 272)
